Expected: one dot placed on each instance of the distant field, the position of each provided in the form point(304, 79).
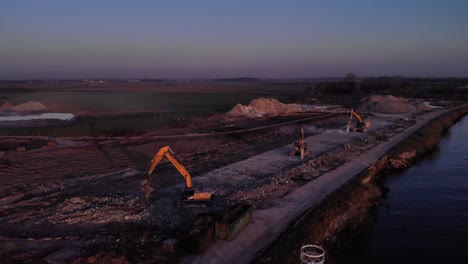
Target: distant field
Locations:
point(134, 109)
point(171, 96)
point(117, 102)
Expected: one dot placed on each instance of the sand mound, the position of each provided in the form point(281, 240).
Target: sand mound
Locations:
point(424, 107)
point(29, 106)
point(389, 105)
point(6, 106)
point(264, 107)
point(241, 110)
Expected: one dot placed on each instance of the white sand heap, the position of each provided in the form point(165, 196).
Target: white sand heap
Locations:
point(28, 106)
point(264, 107)
point(390, 105)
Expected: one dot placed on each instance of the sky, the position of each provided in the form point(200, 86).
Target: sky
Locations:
point(224, 38)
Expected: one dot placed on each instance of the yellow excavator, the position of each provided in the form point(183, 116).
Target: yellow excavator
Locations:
point(189, 194)
point(361, 126)
point(300, 146)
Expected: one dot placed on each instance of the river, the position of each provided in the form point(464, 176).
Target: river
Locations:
point(424, 218)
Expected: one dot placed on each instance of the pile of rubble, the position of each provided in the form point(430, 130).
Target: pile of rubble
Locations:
point(97, 210)
point(264, 107)
point(390, 105)
point(260, 194)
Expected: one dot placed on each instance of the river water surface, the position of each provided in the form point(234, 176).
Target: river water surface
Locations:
point(424, 219)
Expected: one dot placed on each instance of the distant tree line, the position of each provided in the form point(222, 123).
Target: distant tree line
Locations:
point(449, 88)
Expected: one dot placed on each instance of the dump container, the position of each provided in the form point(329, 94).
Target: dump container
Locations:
point(233, 221)
point(200, 235)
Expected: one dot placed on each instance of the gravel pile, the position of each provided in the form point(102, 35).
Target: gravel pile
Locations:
point(97, 210)
point(264, 107)
point(388, 104)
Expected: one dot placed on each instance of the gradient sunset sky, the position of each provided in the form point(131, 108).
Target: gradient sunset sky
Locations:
point(216, 38)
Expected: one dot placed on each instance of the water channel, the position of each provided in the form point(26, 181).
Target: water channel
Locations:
point(424, 218)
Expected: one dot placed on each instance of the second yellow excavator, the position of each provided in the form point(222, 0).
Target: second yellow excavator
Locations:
point(300, 146)
point(361, 126)
point(189, 193)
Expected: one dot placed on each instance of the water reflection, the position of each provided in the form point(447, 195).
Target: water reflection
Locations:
point(59, 116)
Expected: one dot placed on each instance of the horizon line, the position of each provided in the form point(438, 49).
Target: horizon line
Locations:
point(222, 78)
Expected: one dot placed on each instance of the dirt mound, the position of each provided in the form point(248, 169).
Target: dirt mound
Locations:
point(424, 107)
point(6, 106)
point(264, 107)
point(388, 104)
point(29, 106)
point(240, 110)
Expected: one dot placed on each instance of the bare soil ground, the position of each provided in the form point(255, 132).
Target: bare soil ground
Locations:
point(80, 201)
point(83, 198)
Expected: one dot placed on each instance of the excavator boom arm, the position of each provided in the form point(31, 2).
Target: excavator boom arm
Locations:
point(358, 117)
point(181, 169)
point(155, 161)
point(166, 151)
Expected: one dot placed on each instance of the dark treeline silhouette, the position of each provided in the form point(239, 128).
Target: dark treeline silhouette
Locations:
point(446, 88)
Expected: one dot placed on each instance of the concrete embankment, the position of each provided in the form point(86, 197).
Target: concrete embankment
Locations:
point(281, 222)
point(350, 210)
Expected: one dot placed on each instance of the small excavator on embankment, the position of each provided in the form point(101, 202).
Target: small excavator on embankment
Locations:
point(300, 146)
point(190, 197)
point(361, 125)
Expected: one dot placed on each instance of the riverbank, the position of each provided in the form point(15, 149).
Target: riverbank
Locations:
point(424, 216)
point(288, 212)
point(351, 209)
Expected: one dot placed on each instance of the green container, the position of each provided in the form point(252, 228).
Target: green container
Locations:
point(232, 223)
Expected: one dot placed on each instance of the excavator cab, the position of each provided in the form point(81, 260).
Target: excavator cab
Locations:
point(190, 196)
